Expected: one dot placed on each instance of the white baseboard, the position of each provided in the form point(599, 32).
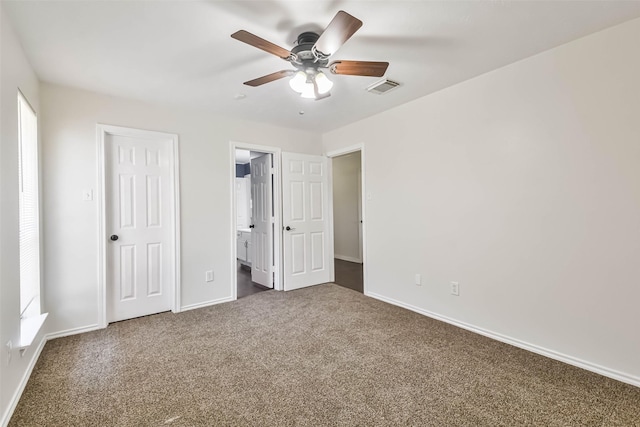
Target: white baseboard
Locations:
point(73, 331)
point(205, 304)
point(598, 369)
point(23, 383)
point(348, 258)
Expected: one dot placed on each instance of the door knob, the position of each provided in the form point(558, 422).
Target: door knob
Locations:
point(114, 237)
point(289, 228)
point(251, 226)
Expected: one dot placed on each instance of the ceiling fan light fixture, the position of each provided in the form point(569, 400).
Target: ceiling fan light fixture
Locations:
point(302, 82)
point(324, 84)
point(299, 82)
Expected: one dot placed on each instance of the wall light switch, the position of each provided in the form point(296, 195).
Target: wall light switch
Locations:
point(209, 276)
point(418, 279)
point(87, 195)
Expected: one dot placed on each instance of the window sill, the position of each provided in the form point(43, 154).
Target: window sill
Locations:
point(29, 328)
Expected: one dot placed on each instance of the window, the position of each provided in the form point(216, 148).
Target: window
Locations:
point(28, 206)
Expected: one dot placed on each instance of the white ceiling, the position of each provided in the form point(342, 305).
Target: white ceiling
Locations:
point(245, 156)
point(180, 52)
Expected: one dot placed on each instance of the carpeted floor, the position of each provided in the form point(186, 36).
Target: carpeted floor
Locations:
point(324, 355)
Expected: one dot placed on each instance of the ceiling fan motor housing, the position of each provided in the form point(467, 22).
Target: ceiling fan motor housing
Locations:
point(305, 57)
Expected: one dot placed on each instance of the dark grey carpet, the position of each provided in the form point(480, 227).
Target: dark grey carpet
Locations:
point(317, 356)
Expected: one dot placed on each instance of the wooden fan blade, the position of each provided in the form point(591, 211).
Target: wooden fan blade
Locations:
point(260, 43)
point(359, 68)
point(269, 78)
point(339, 30)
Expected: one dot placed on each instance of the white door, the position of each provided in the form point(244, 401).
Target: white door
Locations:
point(242, 203)
point(139, 199)
point(308, 256)
point(262, 221)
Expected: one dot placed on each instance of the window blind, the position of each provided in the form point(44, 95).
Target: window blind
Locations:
point(28, 206)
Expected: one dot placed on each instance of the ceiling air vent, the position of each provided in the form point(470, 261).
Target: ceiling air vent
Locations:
point(383, 86)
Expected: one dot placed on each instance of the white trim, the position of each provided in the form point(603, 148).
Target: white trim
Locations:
point(206, 303)
point(23, 383)
point(73, 331)
point(174, 166)
point(177, 222)
point(29, 329)
point(332, 243)
point(340, 152)
point(277, 203)
point(100, 206)
point(346, 150)
point(598, 369)
point(348, 258)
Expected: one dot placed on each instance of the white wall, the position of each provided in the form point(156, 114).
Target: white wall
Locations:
point(15, 72)
point(346, 198)
point(70, 225)
point(526, 185)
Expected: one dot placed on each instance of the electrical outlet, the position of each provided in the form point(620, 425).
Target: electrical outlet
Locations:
point(208, 277)
point(418, 279)
point(455, 288)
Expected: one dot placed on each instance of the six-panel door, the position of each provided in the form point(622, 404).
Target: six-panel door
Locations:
point(308, 254)
point(262, 221)
point(138, 202)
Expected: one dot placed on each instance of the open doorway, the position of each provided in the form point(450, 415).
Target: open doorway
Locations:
point(255, 195)
point(254, 218)
point(347, 220)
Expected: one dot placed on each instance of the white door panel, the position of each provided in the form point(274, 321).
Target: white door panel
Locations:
point(242, 203)
point(138, 207)
point(262, 221)
point(308, 257)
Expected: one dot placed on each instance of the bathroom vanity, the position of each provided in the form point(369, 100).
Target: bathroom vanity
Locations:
point(243, 236)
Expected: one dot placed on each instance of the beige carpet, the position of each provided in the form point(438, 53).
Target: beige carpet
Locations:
point(318, 356)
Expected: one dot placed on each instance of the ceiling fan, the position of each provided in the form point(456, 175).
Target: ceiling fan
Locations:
point(311, 54)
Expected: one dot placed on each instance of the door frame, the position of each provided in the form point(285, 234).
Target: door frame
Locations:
point(277, 204)
point(102, 131)
point(340, 152)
